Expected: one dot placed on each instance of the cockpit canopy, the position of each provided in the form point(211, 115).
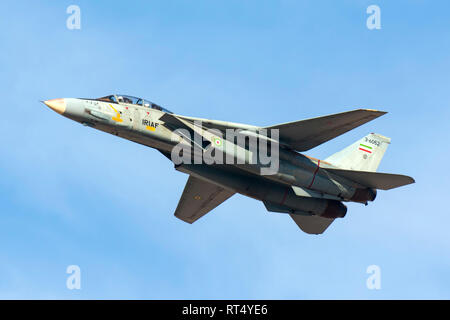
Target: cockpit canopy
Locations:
point(121, 98)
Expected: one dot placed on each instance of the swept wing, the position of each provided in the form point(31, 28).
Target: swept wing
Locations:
point(306, 134)
point(198, 198)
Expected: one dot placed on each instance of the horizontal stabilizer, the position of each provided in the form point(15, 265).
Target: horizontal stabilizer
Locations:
point(306, 134)
point(312, 224)
point(376, 180)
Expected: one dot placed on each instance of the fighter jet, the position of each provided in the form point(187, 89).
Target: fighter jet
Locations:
point(311, 191)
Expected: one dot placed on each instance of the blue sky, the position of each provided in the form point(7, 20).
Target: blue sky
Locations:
point(73, 195)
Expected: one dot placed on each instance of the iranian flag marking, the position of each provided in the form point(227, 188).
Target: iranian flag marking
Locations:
point(365, 148)
point(217, 142)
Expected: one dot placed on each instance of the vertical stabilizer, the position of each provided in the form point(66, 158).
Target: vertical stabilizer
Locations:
point(363, 155)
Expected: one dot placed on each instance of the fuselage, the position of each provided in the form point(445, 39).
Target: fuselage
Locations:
point(300, 185)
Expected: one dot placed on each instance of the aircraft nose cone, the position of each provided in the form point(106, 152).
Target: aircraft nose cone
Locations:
point(58, 105)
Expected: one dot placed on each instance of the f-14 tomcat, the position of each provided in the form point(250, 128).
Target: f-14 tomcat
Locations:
point(311, 191)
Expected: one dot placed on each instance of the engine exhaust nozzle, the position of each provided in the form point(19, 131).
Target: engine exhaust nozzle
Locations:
point(334, 209)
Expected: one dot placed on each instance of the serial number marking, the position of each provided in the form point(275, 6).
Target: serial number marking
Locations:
point(232, 309)
point(372, 141)
point(250, 309)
